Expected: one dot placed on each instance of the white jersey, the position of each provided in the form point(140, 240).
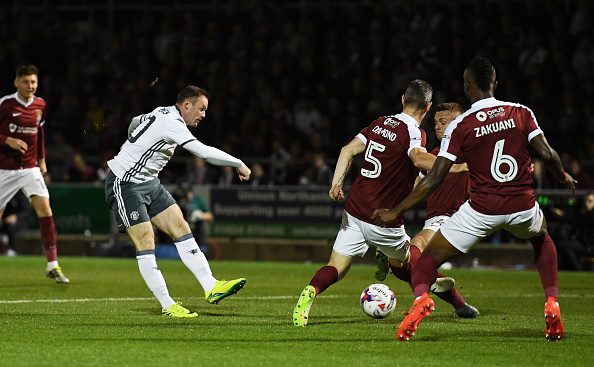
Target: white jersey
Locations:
point(151, 144)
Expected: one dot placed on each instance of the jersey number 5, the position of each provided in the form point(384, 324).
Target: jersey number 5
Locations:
point(498, 159)
point(377, 165)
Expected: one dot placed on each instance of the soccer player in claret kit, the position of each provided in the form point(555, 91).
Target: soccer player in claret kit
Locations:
point(22, 159)
point(494, 137)
point(139, 200)
point(441, 205)
point(394, 149)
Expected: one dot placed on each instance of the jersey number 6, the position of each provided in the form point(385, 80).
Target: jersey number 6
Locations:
point(498, 159)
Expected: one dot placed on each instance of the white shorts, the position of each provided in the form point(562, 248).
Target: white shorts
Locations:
point(436, 222)
point(30, 180)
point(467, 226)
point(355, 236)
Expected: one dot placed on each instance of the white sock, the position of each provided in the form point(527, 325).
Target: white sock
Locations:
point(195, 260)
point(51, 265)
point(147, 263)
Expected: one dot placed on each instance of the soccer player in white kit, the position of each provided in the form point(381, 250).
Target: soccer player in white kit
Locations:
point(22, 159)
point(494, 137)
point(139, 200)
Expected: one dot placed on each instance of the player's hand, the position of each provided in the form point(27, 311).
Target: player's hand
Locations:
point(11, 219)
point(457, 168)
point(244, 173)
point(336, 193)
point(17, 144)
point(569, 182)
point(381, 217)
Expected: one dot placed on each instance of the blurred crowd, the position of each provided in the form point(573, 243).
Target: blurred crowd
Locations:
point(293, 81)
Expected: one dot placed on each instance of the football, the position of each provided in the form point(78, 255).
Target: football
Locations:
point(378, 301)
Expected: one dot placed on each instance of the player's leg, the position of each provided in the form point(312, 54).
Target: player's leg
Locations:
point(467, 227)
point(532, 224)
point(338, 266)
point(349, 242)
point(47, 229)
point(438, 288)
point(10, 184)
point(443, 287)
point(32, 183)
point(143, 237)
point(425, 274)
point(172, 222)
point(402, 270)
point(545, 258)
point(129, 203)
point(417, 244)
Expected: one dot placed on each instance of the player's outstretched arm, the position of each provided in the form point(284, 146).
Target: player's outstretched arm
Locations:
point(552, 161)
point(426, 186)
point(423, 160)
point(343, 165)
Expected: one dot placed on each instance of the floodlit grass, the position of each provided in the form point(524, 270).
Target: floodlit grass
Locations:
point(106, 316)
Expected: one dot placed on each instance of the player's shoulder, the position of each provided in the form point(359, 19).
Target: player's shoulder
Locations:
point(398, 121)
point(38, 102)
point(7, 99)
point(167, 113)
point(492, 107)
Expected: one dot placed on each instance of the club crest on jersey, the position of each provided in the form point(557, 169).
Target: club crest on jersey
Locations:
point(134, 215)
point(39, 113)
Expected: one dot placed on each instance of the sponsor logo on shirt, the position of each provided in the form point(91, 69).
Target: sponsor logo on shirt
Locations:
point(496, 112)
point(391, 122)
point(15, 114)
point(22, 129)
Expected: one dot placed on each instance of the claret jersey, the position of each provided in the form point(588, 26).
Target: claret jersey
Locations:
point(493, 138)
point(152, 143)
point(452, 192)
point(21, 120)
point(387, 173)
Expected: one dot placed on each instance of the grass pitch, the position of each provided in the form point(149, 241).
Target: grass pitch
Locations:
point(106, 316)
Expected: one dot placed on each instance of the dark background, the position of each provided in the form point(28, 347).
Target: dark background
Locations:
point(336, 65)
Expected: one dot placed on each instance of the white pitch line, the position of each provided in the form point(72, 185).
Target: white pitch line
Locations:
point(124, 299)
point(140, 299)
